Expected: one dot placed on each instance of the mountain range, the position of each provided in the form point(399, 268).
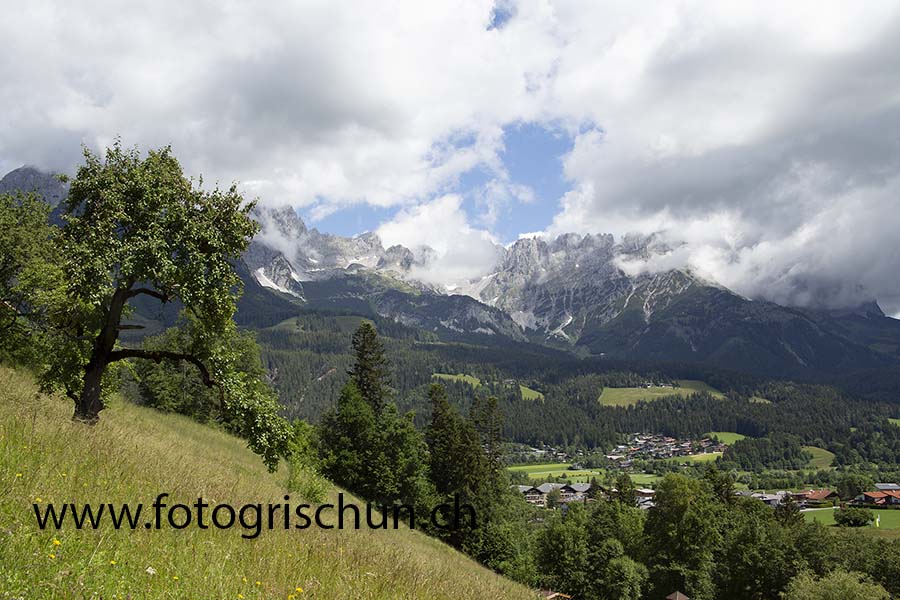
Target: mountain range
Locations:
point(568, 292)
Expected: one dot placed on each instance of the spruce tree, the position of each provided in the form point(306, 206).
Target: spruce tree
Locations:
point(457, 461)
point(488, 422)
point(370, 370)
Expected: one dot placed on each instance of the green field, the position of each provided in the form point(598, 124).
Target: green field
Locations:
point(890, 519)
point(895, 422)
point(726, 437)
point(527, 392)
point(632, 395)
point(473, 381)
point(760, 400)
point(700, 458)
point(530, 394)
point(821, 459)
point(540, 468)
point(544, 471)
point(135, 453)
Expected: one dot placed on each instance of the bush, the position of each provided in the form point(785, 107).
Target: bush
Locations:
point(853, 517)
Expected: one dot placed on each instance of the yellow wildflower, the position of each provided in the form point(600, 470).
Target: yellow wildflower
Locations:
point(174, 577)
point(52, 556)
point(258, 583)
point(56, 542)
point(38, 500)
point(244, 579)
point(18, 474)
point(240, 597)
point(299, 590)
point(112, 562)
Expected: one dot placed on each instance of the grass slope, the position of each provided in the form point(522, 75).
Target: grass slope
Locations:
point(633, 395)
point(726, 437)
point(473, 381)
point(821, 458)
point(136, 453)
point(530, 394)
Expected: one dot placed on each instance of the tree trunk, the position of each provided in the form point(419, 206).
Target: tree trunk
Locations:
point(89, 402)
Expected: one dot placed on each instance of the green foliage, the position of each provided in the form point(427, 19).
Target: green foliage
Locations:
point(246, 406)
point(366, 445)
point(303, 475)
point(853, 517)
point(837, 585)
point(136, 227)
point(682, 537)
point(457, 462)
point(625, 490)
point(369, 371)
point(30, 277)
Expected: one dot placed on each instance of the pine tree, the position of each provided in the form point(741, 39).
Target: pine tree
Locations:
point(370, 371)
point(488, 422)
point(456, 459)
point(349, 442)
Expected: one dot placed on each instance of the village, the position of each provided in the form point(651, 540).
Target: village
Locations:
point(647, 446)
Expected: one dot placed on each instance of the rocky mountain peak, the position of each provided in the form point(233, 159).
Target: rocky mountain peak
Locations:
point(29, 179)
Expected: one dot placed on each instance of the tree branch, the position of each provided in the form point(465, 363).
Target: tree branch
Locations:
point(162, 297)
point(160, 355)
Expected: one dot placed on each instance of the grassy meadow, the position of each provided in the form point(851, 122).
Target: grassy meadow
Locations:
point(473, 381)
point(135, 453)
point(541, 472)
point(628, 396)
point(527, 392)
point(821, 458)
point(889, 527)
point(530, 394)
point(726, 437)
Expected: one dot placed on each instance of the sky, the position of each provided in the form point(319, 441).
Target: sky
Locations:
point(760, 140)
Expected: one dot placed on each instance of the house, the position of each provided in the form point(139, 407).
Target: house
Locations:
point(816, 497)
point(879, 498)
point(677, 596)
point(770, 499)
point(644, 492)
point(568, 492)
point(887, 487)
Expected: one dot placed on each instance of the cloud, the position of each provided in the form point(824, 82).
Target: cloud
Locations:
point(763, 138)
point(310, 103)
point(461, 252)
point(762, 141)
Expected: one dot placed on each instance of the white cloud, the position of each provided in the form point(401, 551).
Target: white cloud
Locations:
point(462, 252)
point(754, 133)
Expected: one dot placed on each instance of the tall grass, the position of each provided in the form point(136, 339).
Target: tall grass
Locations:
point(136, 453)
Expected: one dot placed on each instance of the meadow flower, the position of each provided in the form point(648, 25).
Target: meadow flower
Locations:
point(38, 500)
point(258, 583)
point(174, 577)
point(18, 474)
point(299, 590)
point(150, 571)
point(240, 597)
point(51, 556)
point(56, 542)
point(112, 562)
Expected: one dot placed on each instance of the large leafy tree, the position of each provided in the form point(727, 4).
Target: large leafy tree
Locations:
point(30, 279)
point(136, 226)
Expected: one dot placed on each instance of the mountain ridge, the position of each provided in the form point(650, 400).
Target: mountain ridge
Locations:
point(569, 292)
